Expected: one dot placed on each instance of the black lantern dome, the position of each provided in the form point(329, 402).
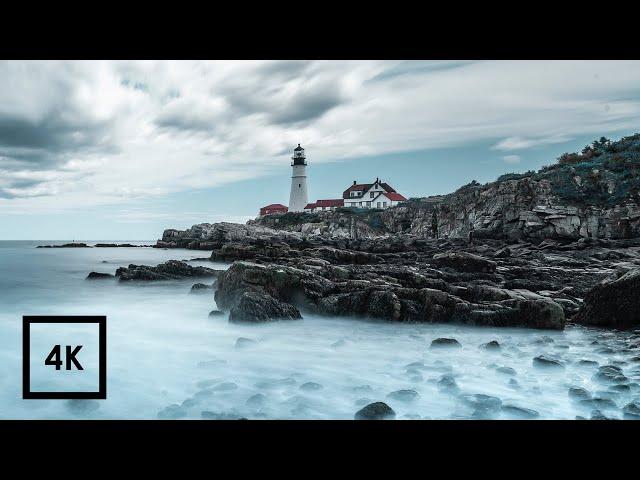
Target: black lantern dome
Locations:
point(298, 156)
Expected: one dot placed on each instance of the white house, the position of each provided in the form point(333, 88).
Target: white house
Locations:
point(371, 195)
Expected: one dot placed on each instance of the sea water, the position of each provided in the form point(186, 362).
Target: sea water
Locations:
point(168, 359)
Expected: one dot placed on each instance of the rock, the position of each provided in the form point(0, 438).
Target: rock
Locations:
point(447, 384)
point(375, 411)
point(208, 415)
point(464, 262)
point(578, 393)
point(201, 288)
point(599, 403)
point(483, 405)
point(631, 411)
point(502, 253)
point(445, 342)
point(215, 313)
point(613, 303)
point(506, 370)
point(98, 276)
point(610, 374)
point(66, 245)
point(598, 415)
point(403, 395)
point(171, 270)
point(253, 307)
point(546, 361)
point(492, 345)
point(520, 412)
point(310, 386)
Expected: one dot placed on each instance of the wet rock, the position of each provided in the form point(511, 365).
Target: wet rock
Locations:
point(599, 403)
point(483, 405)
point(615, 302)
point(492, 345)
point(545, 361)
point(99, 276)
point(201, 288)
point(253, 307)
point(598, 415)
point(610, 374)
point(416, 365)
point(171, 270)
point(631, 411)
point(310, 386)
point(520, 412)
point(445, 342)
point(403, 395)
point(376, 411)
point(578, 393)
point(447, 384)
point(256, 401)
point(215, 313)
point(502, 253)
point(242, 342)
point(588, 363)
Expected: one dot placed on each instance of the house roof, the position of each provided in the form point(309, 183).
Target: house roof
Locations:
point(334, 202)
point(276, 207)
point(357, 187)
point(394, 196)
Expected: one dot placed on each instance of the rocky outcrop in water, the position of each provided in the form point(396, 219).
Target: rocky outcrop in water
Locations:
point(171, 270)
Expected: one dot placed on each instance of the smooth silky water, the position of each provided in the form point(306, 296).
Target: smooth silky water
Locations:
point(168, 359)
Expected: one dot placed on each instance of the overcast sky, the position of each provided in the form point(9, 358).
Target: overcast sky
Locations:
point(124, 149)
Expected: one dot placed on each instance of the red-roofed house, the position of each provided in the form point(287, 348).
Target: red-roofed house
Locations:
point(273, 208)
point(323, 205)
point(371, 195)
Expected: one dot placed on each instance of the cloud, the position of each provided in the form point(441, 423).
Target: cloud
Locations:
point(92, 133)
point(512, 159)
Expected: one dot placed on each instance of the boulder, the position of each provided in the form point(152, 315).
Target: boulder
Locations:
point(376, 411)
point(615, 302)
point(254, 307)
point(98, 276)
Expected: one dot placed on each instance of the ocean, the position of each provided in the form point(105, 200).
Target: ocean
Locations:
point(166, 358)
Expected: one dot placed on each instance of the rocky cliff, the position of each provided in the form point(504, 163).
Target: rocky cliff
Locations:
point(592, 194)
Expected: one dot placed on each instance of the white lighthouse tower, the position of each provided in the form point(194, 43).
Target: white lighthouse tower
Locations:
point(299, 197)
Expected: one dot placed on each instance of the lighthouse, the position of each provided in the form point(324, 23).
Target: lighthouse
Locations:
point(298, 197)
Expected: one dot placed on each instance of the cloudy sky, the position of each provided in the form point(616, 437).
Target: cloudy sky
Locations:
point(122, 150)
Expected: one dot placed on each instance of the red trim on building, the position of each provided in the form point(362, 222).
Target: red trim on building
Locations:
point(273, 208)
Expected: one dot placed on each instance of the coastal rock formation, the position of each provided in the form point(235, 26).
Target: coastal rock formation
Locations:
point(613, 303)
point(409, 288)
point(171, 270)
point(98, 276)
point(593, 194)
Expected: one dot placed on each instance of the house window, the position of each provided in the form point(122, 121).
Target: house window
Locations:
point(299, 185)
point(368, 204)
point(378, 204)
point(384, 204)
point(371, 194)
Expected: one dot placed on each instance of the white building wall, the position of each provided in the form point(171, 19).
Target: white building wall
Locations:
point(299, 196)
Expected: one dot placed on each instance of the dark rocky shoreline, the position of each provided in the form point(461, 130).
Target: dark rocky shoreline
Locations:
point(278, 275)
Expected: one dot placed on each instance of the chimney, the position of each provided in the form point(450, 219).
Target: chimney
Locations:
point(354, 182)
